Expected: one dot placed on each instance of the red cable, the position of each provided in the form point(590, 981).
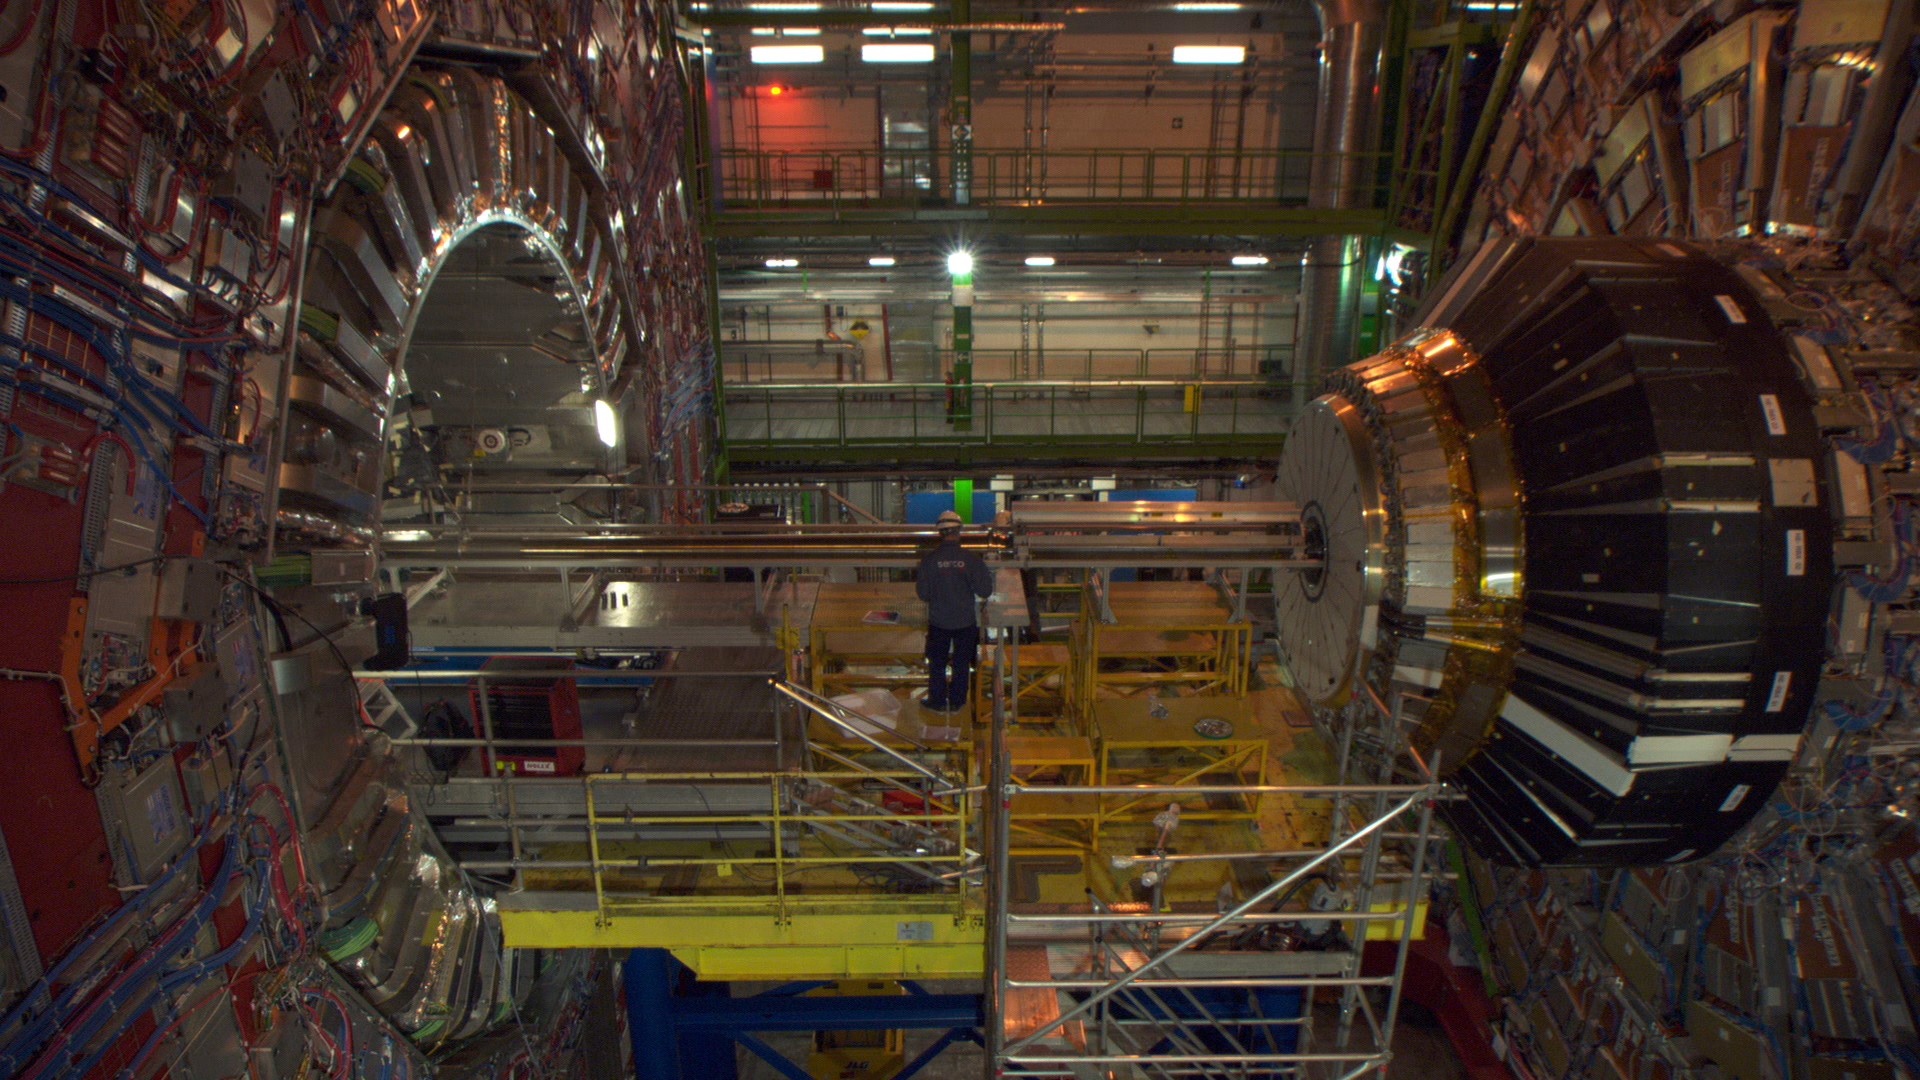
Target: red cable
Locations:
point(133, 463)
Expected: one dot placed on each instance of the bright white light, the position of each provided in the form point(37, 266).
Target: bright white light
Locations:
point(906, 53)
point(801, 31)
point(781, 264)
point(1208, 7)
point(1209, 54)
point(408, 536)
point(605, 424)
point(1039, 260)
point(787, 54)
point(782, 5)
point(960, 262)
point(764, 31)
point(897, 31)
point(901, 5)
point(1250, 260)
point(880, 260)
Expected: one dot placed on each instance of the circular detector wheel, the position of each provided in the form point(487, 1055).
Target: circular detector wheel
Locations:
point(1323, 612)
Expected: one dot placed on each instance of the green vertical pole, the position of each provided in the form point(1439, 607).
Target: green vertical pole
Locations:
point(962, 412)
point(961, 12)
point(961, 131)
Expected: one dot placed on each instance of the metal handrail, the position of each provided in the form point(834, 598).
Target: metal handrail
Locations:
point(1144, 411)
point(780, 177)
point(740, 359)
point(1225, 918)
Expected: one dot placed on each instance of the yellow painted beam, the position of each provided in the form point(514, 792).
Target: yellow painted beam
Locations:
point(889, 943)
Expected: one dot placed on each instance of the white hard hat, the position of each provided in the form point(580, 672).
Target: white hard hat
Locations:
point(947, 520)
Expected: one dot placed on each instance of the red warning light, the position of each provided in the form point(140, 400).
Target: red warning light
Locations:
point(776, 90)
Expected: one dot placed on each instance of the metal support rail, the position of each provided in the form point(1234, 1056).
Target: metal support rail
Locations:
point(1150, 991)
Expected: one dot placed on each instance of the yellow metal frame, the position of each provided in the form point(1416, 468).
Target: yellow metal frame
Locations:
point(776, 899)
point(1211, 659)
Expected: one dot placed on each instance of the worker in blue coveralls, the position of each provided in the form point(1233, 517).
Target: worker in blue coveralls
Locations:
point(949, 580)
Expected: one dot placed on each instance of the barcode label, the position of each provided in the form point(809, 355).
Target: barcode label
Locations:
point(1777, 697)
point(1776, 420)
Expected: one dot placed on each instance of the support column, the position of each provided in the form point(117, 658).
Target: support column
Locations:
point(651, 974)
point(960, 411)
point(961, 120)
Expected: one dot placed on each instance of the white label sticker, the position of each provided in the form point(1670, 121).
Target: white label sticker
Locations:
point(1796, 553)
point(1777, 696)
point(1776, 420)
point(161, 815)
point(536, 765)
point(1735, 797)
point(915, 930)
point(1734, 314)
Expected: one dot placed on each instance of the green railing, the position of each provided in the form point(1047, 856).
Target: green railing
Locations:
point(1051, 413)
point(745, 363)
point(772, 179)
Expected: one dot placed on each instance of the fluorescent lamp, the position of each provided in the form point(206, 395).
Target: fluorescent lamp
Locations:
point(897, 31)
point(604, 423)
point(782, 5)
point(880, 260)
point(782, 264)
point(1250, 260)
point(1209, 6)
point(960, 262)
point(801, 31)
point(764, 31)
point(787, 54)
point(1209, 54)
point(907, 53)
point(1039, 260)
point(901, 5)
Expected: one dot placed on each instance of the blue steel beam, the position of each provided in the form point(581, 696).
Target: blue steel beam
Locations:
point(851, 1013)
point(772, 1057)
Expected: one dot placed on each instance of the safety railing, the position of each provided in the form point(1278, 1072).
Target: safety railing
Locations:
point(747, 363)
point(1038, 413)
point(776, 179)
point(875, 818)
point(534, 507)
point(1182, 992)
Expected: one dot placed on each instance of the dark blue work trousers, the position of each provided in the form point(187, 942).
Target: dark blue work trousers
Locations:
point(950, 666)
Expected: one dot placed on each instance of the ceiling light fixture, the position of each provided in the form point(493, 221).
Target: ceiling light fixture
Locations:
point(1208, 6)
point(1209, 54)
point(782, 5)
point(1039, 260)
point(764, 31)
point(901, 5)
point(782, 264)
point(906, 53)
point(1250, 260)
point(787, 54)
point(897, 31)
point(801, 31)
point(605, 424)
point(880, 260)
